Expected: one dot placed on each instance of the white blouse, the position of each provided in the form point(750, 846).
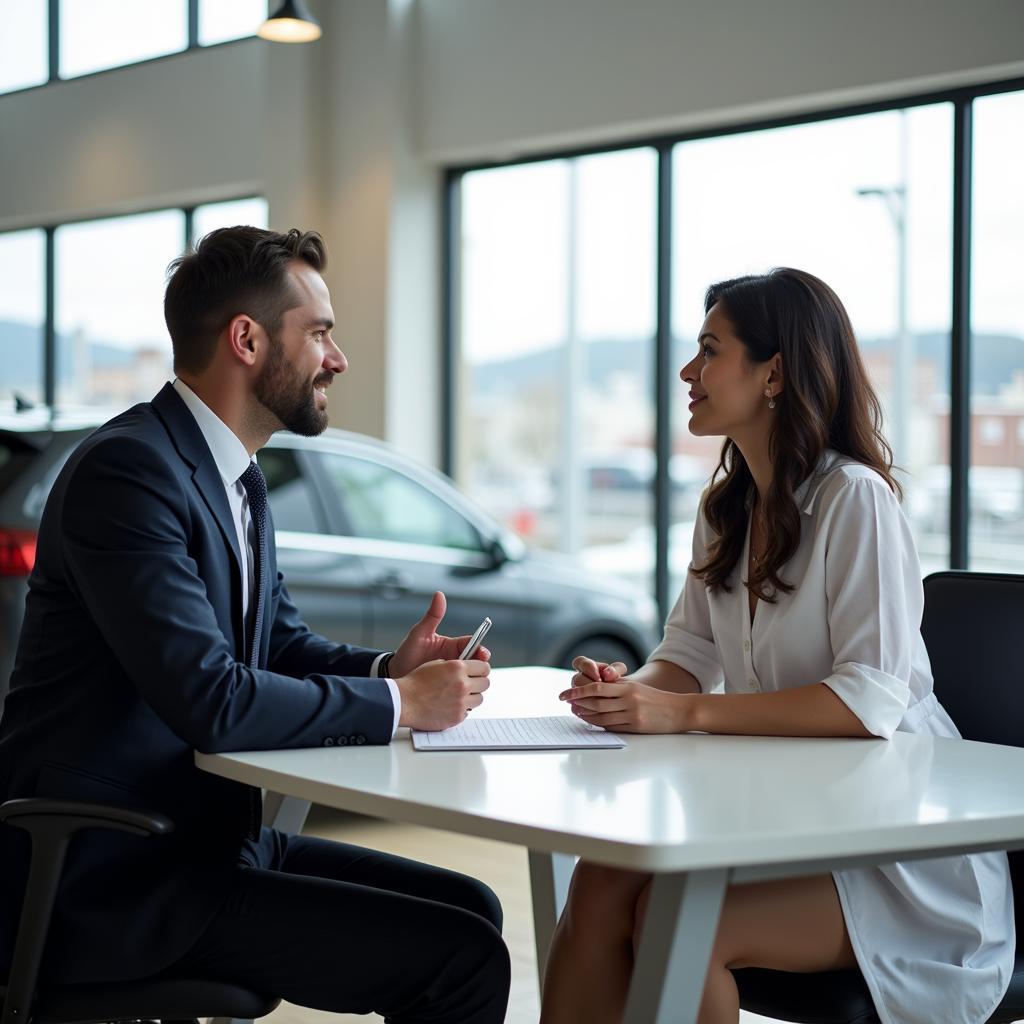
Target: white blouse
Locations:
point(853, 621)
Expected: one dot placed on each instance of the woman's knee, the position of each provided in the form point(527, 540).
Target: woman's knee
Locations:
point(596, 890)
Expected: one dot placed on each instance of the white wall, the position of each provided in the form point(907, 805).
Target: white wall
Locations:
point(501, 77)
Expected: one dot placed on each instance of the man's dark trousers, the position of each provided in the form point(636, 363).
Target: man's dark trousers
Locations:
point(302, 912)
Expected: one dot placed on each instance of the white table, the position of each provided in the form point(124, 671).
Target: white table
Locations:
point(701, 812)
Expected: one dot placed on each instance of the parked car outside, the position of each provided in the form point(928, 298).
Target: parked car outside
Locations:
point(365, 535)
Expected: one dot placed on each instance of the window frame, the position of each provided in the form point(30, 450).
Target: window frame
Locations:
point(961, 98)
point(53, 48)
point(50, 279)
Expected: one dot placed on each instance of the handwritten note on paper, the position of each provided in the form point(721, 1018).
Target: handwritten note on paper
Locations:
point(554, 733)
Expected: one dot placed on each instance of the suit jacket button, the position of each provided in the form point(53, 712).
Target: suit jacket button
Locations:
point(329, 742)
point(360, 739)
point(342, 741)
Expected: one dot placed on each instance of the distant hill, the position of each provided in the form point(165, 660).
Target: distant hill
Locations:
point(996, 358)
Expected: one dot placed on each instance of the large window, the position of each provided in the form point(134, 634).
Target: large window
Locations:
point(110, 343)
point(997, 367)
point(96, 35)
point(24, 44)
point(865, 203)
point(557, 317)
point(100, 34)
point(112, 346)
point(558, 424)
point(22, 313)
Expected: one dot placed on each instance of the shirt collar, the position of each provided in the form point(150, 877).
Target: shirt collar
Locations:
point(228, 452)
point(805, 492)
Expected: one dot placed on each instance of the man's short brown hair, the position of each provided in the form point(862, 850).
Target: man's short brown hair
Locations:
point(231, 271)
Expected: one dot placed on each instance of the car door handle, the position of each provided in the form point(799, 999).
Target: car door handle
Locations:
point(393, 583)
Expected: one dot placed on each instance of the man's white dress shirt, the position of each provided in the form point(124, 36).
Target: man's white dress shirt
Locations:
point(232, 460)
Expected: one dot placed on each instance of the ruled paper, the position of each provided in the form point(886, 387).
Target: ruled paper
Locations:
point(558, 732)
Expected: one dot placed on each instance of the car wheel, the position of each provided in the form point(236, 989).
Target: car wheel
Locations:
point(602, 648)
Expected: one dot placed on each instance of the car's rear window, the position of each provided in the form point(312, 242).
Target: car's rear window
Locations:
point(15, 456)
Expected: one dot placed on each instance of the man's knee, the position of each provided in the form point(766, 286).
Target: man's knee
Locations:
point(475, 896)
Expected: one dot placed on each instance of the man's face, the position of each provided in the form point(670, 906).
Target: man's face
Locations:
point(303, 358)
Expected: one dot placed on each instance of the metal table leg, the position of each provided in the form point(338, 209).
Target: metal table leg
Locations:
point(549, 887)
point(285, 813)
point(675, 947)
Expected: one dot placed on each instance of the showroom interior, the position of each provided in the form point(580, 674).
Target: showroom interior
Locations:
point(523, 203)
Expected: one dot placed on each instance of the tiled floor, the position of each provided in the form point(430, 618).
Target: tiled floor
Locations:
point(502, 867)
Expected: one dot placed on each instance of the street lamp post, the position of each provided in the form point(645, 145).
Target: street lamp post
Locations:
point(895, 198)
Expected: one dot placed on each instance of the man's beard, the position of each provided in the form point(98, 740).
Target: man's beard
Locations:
point(292, 400)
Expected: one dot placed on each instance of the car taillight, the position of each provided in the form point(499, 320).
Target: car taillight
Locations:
point(17, 551)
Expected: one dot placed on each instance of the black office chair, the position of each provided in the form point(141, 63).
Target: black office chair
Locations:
point(52, 824)
point(970, 627)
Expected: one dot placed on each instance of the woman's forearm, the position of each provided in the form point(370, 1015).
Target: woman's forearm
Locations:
point(664, 675)
point(812, 710)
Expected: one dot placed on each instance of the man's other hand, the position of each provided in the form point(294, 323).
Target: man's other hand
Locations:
point(423, 643)
point(440, 694)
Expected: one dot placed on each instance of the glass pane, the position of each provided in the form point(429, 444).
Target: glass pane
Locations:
point(996, 479)
point(382, 504)
point(865, 204)
point(24, 44)
point(555, 426)
point(22, 312)
point(221, 20)
point(291, 500)
point(226, 215)
point(112, 344)
point(99, 34)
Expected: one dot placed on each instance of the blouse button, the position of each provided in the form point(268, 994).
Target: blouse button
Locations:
point(752, 683)
point(746, 645)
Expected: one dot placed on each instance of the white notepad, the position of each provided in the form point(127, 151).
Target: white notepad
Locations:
point(556, 733)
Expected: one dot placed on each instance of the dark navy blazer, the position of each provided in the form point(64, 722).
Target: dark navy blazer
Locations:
point(131, 657)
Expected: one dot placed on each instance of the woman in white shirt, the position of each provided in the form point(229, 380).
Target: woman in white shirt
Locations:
point(804, 597)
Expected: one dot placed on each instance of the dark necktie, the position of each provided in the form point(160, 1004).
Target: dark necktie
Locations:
point(255, 485)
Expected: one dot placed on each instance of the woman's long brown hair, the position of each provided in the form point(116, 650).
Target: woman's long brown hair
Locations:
point(827, 402)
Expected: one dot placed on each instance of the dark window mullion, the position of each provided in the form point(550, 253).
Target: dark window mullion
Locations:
point(53, 41)
point(451, 284)
point(50, 324)
point(190, 214)
point(663, 377)
point(960, 361)
point(193, 24)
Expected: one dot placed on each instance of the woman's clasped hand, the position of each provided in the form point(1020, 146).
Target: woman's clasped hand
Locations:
point(604, 694)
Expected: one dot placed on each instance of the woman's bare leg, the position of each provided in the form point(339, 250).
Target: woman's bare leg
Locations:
point(794, 925)
point(591, 957)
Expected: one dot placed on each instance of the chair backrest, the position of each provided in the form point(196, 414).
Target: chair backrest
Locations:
point(970, 627)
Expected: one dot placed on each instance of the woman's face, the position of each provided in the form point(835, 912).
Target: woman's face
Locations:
point(727, 390)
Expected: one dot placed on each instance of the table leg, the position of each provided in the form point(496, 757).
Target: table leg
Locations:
point(675, 947)
point(549, 887)
point(285, 813)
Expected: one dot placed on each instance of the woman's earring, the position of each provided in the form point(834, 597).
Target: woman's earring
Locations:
point(771, 398)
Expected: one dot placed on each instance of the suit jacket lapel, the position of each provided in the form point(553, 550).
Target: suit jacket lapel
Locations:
point(192, 446)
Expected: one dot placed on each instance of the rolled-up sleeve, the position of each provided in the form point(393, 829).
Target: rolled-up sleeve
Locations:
point(875, 601)
point(688, 641)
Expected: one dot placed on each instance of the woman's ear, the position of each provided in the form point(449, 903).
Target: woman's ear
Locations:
point(776, 378)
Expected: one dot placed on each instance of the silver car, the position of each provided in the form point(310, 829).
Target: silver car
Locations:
point(365, 535)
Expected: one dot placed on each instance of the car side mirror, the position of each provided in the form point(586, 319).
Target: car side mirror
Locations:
point(498, 555)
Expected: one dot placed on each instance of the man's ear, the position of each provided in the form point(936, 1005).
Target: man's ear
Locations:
point(242, 334)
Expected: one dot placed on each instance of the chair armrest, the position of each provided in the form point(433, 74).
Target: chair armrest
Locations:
point(51, 824)
point(68, 816)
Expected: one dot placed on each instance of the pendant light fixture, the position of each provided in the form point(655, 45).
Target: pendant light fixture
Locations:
point(291, 23)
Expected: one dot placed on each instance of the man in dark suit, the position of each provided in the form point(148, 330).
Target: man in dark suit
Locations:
point(157, 624)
